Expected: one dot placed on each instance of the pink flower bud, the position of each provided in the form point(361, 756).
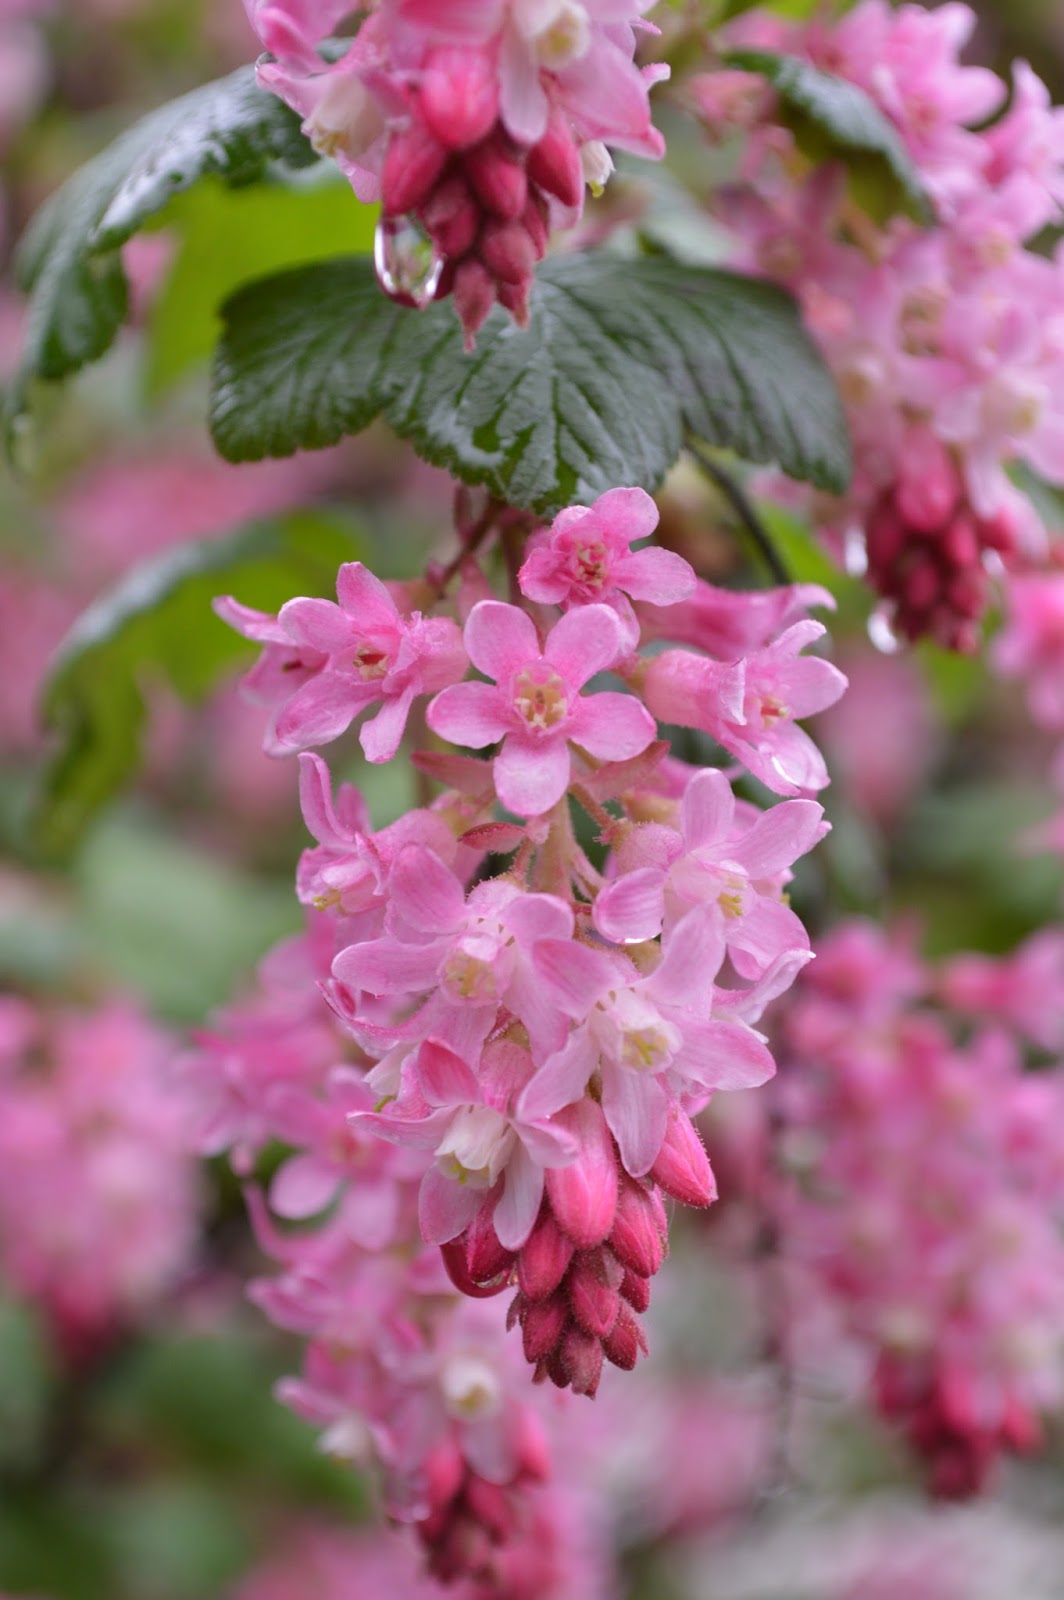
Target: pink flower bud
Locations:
point(451, 217)
point(444, 1472)
point(593, 1302)
point(584, 1195)
point(474, 296)
point(507, 250)
point(544, 1258)
point(637, 1238)
point(554, 164)
point(414, 162)
point(626, 1339)
point(485, 1256)
point(497, 179)
point(682, 1167)
point(581, 1357)
point(542, 1325)
point(636, 1290)
point(492, 1507)
point(459, 97)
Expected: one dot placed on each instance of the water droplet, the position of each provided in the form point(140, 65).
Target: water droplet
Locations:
point(855, 552)
point(408, 264)
point(881, 630)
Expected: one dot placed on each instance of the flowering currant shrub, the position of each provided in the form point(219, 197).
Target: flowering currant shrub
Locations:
point(633, 1093)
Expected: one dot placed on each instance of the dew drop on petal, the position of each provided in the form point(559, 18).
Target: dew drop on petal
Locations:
point(408, 264)
point(881, 631)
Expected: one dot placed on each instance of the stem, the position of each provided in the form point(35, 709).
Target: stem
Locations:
point(744, 512)
point(470, 545)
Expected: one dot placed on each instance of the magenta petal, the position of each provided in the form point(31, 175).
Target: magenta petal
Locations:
point(561, 1080)
point(384, 966)
point(381, 737)
point(542, 579)
point(319, 712)
point(302, 1187)
point(471, 714)
point(531, 777)
point(659, 576)
point(445, 1207)
point(612, 727)
point(500, 639)
point(636, 1108)
point(518, 1206)
point(315, 800)
point(425, 893)
point(256, 625)
point(632, 907)
point(587, 640)
point(708, 809)
point(318, 623)
point(726, 1055)
point(444, 1077)
point(364, 597)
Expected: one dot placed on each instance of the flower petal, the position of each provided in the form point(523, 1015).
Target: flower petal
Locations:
point(530, 777)
point(587, 640)
point(500, 639)
point(637, 1111)
point(471, 714)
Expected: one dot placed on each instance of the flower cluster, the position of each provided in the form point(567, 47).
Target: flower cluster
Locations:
point(946, 340)
point(528, 1009)
point(98, 1196)
point(921, 1186)
point(477, 126)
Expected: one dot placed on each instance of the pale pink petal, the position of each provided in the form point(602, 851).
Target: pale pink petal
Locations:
point(611, 727)
point(445, 1207)
point(708, 809)
point(364, 597)
point(576, 975)
point(539, 916)
point(471, 714)
point(767, 931)
point(587, 640)
point(256, 625)
point(302, 1187)
point(315, 800)
point(693, 952)
point(632, 907)
point(518, 1206)
point(384, 966)
point(631, 513)
point(780, 836)
point(726, 1055)
point(561, 1080)
point(500, 639)
point(425, 892)
point(370, 1212)
point(444, 1077)
point(637, 1111)
point(523, 104)
point(659, 576)
point(542, 578)
point(382, 735)
point(531, 777)
point(320, 711)
point(318, 623)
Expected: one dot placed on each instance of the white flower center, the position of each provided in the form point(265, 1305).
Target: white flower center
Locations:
point(540, 697)
point(346, 119)
point(479, 966)
point(471, 1388)
point(559, 31)
point(476, 1146)
point(632, 1032)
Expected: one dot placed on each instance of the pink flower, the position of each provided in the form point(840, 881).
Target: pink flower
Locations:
point(479, 1137)
point(587, 557)
point(753, 715)
point(324, 664)
point(535, 705)
point(728, 871)
point(647, 1038)
point(468, 956)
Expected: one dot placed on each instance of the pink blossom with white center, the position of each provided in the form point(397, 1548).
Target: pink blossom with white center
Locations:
point(350, 867)
point(753, 717)
point(535, 706)
point(470, 956)
point(324, 664)
point(730, 872)
point(729, 623)
point(586, 557)
point(647, 1038)
point(479, 1135)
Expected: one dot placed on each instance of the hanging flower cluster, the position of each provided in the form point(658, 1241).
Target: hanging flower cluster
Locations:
point(477, 126)
point(947, 341)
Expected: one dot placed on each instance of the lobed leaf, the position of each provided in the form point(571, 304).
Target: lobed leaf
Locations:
point(69, 259)
point(833, 119)
point(620, 359)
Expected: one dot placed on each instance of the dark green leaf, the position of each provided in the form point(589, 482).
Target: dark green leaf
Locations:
point(619, 360)
point(157, 623)
point(834, 120)
point(69, 259)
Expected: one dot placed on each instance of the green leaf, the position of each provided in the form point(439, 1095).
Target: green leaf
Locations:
point(619, 360)
point(228, 238)
point(834, 120)
point(69, 259)
point(157, 623)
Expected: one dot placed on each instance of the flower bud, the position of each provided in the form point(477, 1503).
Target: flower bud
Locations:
point(682, 1167)
point(459, 97)
point(584, 1196)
